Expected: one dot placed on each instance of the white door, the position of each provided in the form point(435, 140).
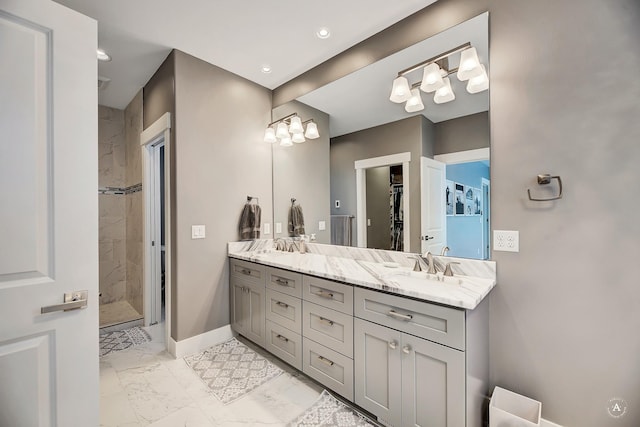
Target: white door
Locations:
point(48, 215)
point(433, 221)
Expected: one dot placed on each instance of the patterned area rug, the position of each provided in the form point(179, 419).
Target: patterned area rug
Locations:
point(232, 369)
point(328, 411)
point(122, 340)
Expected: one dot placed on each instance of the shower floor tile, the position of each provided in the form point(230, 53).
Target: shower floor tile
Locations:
point(117, 312)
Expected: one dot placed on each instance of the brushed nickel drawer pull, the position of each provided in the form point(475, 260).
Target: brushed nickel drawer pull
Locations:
point(282, 304)
point(327, 321)
point(246, 271)
point(325, 361)
point(405, 317)
point(324, 294)
point(280, 337)
point(282, 282)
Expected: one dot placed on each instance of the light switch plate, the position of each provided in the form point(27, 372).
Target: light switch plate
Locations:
point(322, 225)
point(337, 204)
point(197, 231)
point(267, 228)
point(278, 228)
point(506, 240)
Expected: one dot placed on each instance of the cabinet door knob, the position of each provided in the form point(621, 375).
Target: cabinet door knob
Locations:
point(393, 345)
point(406, 349)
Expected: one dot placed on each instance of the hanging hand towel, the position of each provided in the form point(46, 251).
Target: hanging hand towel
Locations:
point(296, 221)
point(250, 222)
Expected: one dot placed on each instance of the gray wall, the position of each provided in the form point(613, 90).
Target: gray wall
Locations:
point(302, 171)
point(566, 311)
point(461, 134)
point(378, 233)
point(218, 158)
point(374, 142)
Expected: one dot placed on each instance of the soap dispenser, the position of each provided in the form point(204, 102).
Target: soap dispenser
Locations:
point(303, 244)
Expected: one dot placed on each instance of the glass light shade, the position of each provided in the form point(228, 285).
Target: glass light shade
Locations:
point(478, 83)
point(431, 78)
point(270, 135)
point(312, 131)
point(298, 138)
point(282, 131)
point(445, 93)
point(469, 64)
point(296, 125)
point(400, 92)
point(286, 142)
point(415, 102)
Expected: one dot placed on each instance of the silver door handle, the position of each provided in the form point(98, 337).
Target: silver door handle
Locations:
point(72, 301)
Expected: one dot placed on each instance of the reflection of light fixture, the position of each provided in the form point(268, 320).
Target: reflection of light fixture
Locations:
point(291, 129)
point(400, 92)
point(469, 64)
point(431, 78)
point(478, 83)
point(415, 102)
point(445, 93)
point(103, 56)
point(435, 72)
point(323, 33)
point(266, 69)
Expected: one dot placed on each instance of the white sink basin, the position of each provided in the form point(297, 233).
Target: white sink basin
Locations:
point(423, 275)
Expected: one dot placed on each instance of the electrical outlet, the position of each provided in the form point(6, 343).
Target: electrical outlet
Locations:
point(505, 240)
point(278, 228)
point(267, 228)
point(197, 231)
point(322, 225)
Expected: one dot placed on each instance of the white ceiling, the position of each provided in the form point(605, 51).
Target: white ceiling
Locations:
point(360, 100)
point(237, 35)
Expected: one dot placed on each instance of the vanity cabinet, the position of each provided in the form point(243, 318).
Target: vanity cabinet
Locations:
point(247, 287)
point(284, 315)
point(409, 362)
point(327, 330)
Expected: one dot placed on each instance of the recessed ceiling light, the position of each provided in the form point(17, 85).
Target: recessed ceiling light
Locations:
point(265, 69)
point(103, 56)
point(323, 33)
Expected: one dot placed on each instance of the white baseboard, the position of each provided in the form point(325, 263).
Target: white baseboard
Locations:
point(179, 349)
point(545, 423)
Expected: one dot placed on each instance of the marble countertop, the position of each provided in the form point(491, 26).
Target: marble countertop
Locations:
point(458, 291)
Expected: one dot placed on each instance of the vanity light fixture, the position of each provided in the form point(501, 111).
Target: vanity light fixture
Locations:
point(291, 129)
point(102, 55)
point(435, 72)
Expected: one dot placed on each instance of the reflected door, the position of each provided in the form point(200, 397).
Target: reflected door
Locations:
point(433, 221)
point(48, 216)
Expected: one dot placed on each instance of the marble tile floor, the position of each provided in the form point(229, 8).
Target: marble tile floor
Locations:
point(146, 386)
point(117, 312)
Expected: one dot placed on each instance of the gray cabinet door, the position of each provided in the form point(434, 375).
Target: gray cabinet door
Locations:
point(238, 311)
point(378, 367)
point(255, 307)
point(433, 384)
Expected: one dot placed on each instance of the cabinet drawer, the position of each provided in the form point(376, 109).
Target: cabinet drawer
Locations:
point(247, 271)
point(285, 344)
point(328, 367)
point(284, 281)
point(328, 327)
point(328, 294)
point(284, 310)
point(440, 324)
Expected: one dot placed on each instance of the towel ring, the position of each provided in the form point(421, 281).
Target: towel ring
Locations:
point(249, 198)
point(544, 179)
point(293, 200)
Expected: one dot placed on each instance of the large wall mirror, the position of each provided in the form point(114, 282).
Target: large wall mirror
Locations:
point(384, 178)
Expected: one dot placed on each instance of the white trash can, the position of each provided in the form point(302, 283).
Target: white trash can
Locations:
point(509, 409)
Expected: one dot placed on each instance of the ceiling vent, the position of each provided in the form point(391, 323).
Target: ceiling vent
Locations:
point(103, 82)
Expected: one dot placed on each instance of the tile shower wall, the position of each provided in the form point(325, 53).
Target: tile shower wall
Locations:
point(133, 202)
point(112, 224)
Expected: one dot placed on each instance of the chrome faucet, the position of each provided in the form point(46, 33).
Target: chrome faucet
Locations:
point(444, 251)
point(429, 259)
point(280, 244)
point(447, 270)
